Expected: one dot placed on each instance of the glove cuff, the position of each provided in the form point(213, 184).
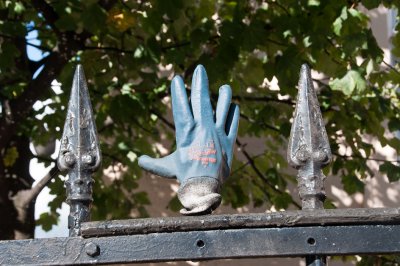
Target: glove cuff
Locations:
point(199, 195)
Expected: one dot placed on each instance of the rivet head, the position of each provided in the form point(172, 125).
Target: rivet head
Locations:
point(303, 155)
point(92, 249)
point(88, 159)
point(69, 159)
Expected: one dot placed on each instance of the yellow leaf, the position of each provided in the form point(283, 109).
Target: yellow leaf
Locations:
point(10, 157)
point(121, 19)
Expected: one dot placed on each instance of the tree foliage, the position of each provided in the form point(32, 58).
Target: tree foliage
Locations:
point(131, 49)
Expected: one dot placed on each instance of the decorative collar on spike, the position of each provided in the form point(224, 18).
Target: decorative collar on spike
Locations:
point(79, 143)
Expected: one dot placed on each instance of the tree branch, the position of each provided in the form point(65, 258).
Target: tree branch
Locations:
point(251, 162)
point(111, 49)
point(263, 124)
point(25, 41)
point(247, 163)
point(40, 47)
point(175, 45)
point(264, 99)
point(163, 119)
point(364, 158)
point(280, 6)
point(34, 192)
point(112, 157)
point(258, 99)
point(390, 66)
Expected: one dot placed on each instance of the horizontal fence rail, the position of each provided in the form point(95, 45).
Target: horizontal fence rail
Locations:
point(243, 221)
point(205, 245)
point(279, 234)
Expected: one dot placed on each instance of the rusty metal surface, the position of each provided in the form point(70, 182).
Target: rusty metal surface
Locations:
point(250, 220)
point(203, 245)
point(79, 152)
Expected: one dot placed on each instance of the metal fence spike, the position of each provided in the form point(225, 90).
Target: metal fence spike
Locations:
point(309, 149)
point(79, 152)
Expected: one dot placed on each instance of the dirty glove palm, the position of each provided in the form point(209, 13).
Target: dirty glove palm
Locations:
point(204, 146)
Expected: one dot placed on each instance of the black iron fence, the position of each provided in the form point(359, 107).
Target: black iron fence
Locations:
point(312, 232)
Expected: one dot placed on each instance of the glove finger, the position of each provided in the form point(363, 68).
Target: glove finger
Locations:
point(232, 122)
point(183, 117)
point(231, 127)
point(160, 166)
point(224, 102)
point(200, 97)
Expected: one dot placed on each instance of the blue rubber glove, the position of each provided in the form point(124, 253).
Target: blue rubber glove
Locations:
point(204, 152)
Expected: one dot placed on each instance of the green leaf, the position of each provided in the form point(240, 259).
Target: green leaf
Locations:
point(19, 8)
point(337, 166)
point(337, 26)
point(370, 4)
point(47, 220)
point(356, 13)
point(94, 18)
point(338, 23)
point(352, 184)
point(253, 72)
point(141, 198)
point(349, 84)
point(174, 204)
point(282, 200)
point(394, 125)
point(394, 143)
point(370, 67)
point(314, 2)
point(8, 55)
point(392, 171)
point(328, 204)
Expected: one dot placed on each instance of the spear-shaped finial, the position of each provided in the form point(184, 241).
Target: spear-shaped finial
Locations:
point(79, 152)
point(309, 149)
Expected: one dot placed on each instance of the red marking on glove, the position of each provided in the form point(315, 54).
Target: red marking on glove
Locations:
point(201, 153)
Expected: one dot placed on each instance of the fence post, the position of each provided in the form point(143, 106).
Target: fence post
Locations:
point(309, 150)
point(79, 153)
